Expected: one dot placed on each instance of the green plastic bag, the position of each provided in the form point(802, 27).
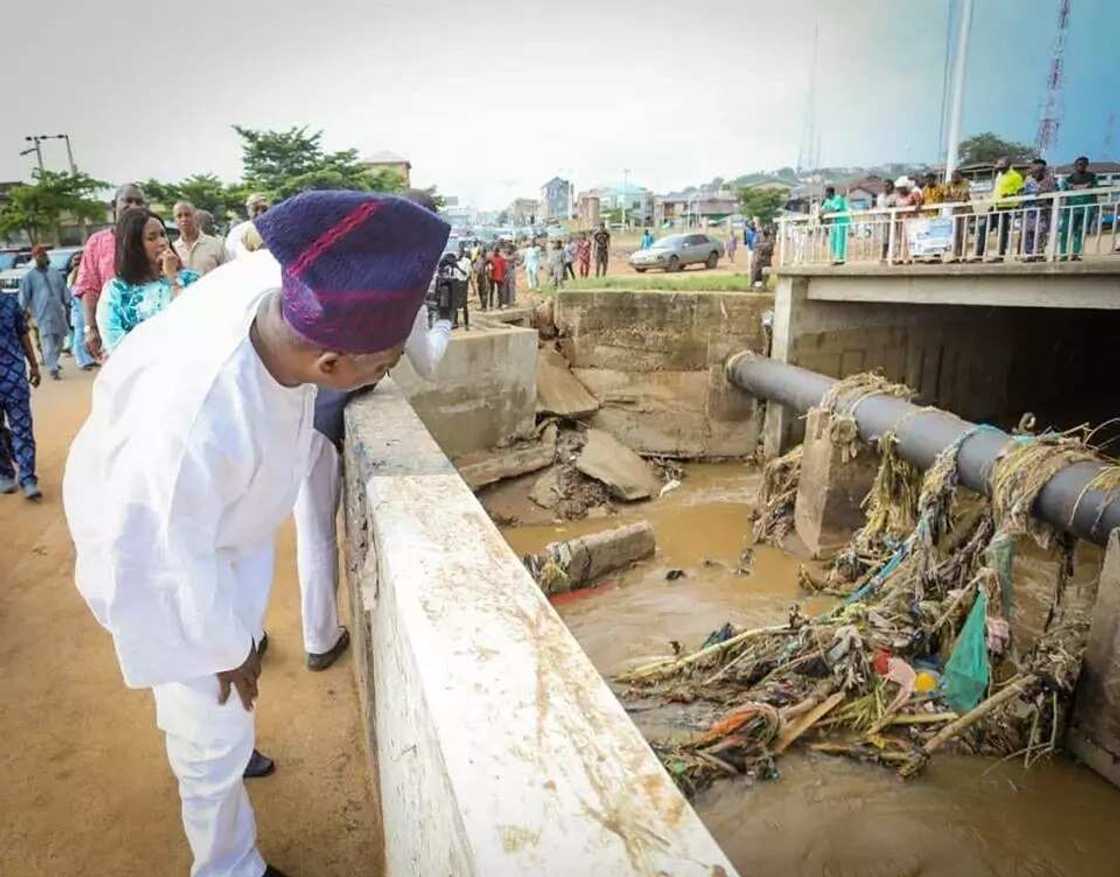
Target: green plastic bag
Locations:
point(968, 671)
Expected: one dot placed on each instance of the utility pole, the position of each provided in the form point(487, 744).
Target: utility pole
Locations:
point(37, 149)
point(69, 153)
point(625, 195)
point(959, 63)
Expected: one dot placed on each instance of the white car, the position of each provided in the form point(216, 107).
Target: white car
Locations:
point(9, 280)
point(674, 252)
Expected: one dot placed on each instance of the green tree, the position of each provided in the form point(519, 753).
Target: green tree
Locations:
point(207, 192)
point(987, 147)
point(284, 163)
point(160, 194)
point(39, 207)
point(762, 202)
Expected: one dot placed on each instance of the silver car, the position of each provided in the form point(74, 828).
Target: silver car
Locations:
point(676, 251)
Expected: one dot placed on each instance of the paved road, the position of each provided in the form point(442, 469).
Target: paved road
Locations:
point(84, 783)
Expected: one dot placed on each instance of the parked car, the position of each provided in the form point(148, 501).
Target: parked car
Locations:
point(12, 256)
point(62, 258)
point(9, 279)
point(676, 251)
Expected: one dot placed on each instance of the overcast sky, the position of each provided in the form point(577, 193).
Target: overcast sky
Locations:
point(490, 98)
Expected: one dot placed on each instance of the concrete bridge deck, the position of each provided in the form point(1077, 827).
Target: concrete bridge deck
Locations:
point(1091, 284)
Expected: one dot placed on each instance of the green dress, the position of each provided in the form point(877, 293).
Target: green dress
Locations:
point(837, 226)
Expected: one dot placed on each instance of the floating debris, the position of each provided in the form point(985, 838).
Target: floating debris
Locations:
point(927, 595)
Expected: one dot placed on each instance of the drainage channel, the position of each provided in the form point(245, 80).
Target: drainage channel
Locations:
point(825, 815)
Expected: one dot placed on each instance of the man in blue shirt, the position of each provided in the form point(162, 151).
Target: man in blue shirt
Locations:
point(43, 295)
point(15, 398)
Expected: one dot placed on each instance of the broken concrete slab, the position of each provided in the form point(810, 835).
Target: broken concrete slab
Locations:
point(486, 467)
point(606, 459)
point(559, 392)
point(546, 490)
point(578, 562)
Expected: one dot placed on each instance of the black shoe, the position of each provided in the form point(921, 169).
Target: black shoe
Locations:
point(259, 766)
point(262, 646)
point(269, 871)
point(324, 660)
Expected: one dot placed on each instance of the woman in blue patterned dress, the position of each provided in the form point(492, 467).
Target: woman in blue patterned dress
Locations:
point(148, 278)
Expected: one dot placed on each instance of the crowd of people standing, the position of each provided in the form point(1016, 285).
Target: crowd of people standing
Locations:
point(1016, 200)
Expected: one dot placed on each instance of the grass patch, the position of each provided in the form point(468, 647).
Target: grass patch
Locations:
point(682, 282)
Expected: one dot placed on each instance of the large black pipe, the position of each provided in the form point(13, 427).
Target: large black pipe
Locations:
point(923, 434)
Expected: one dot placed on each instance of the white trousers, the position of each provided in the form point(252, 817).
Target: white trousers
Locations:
point(208, 747)
point(316, 512)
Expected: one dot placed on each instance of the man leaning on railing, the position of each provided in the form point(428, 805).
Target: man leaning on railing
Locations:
point(1077, 213)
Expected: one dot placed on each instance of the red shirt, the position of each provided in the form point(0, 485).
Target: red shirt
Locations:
point(98, 265)
point(498, 267)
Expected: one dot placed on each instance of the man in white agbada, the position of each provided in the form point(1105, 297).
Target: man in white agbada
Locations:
point(199, 434)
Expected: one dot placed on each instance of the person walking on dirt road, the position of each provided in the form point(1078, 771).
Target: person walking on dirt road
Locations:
point(602, 239)
point(19, 371)
point(43, 295)
point(198, 439)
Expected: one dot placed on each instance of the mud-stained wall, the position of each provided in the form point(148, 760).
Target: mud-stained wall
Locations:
point(484, 392)
point(495, 746)
point(655, 362)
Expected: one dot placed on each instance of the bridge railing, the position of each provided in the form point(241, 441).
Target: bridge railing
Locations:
point(1049, 227)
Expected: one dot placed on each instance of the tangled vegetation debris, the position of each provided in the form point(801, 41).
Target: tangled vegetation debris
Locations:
point(918, 656)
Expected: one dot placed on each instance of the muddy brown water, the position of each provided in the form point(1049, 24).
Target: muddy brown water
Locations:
point(825, 817)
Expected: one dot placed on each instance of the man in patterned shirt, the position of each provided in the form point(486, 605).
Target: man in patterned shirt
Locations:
point(98, 265)
point(15, 398)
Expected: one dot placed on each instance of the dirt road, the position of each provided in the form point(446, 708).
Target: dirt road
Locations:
point(84, 783)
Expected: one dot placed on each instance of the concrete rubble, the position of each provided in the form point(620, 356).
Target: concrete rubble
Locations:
point(579, 562)
point(606, 459)
point(559, 392)
point(486, 467)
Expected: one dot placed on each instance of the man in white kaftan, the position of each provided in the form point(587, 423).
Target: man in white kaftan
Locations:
point(192, 456)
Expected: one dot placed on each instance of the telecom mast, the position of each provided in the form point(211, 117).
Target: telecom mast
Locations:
point(1052, 110)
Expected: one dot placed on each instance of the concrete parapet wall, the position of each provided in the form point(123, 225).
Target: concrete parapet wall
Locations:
point(654, 360)
point(484, 392)
point(498, 748)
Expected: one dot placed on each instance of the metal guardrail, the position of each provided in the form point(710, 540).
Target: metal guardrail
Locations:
point(1049, 227)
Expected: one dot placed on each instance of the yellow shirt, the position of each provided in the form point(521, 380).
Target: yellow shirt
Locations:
point(1008, 184)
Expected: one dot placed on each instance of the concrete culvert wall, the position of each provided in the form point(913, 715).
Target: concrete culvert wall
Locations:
point(982, 361)
point(496, 748)
point(484, 391)
point(655, 360)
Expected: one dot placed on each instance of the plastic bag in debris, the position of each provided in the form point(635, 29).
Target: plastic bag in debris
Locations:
point(718, 636)
point(967, 671)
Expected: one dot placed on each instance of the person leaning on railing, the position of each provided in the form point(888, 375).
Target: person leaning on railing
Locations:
point(907, 195)
point(1076, 212)
point(1036, 219)
point(957, 191)
point(1009, 182)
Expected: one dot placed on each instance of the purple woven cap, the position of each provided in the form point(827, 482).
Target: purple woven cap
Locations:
point(356, 266)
